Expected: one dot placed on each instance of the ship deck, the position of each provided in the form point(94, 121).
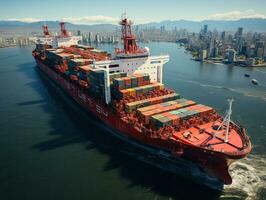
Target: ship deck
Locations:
point(205, 136)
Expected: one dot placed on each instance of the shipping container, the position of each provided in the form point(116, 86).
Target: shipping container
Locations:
point(84, 72)
point(164, 107)
point(131, 81)
point(142, 90)
point(150, 101)
point(180, 114)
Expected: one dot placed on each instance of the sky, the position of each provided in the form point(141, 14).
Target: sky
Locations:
point(140, 11)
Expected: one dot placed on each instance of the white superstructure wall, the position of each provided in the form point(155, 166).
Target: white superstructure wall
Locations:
point(152, 65)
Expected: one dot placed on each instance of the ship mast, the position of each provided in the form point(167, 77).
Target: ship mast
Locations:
point(45, 31)
point(64, 32)
point(130, 45)
point(227, 120)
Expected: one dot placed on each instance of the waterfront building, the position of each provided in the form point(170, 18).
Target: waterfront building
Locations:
point(222, 39)
point(259, 48)
point(215, 52)
point(97, 38)
point(231, 54)
point(251, 51)
point(239, 40)
point(90, 37)
point(203, 54)
point(205, 29)
point(259, 52)
point(250, 62)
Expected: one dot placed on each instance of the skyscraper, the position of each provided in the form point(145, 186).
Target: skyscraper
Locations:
point(259, 48)
point(240, 31)
point(239, 40)
point(203, 54)
point(205, 29)
point(90, 37)
point(223, 37)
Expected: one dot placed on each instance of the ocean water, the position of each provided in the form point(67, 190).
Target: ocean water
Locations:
point(51, 149)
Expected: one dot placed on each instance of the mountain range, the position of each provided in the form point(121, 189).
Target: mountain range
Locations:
point(256, 24)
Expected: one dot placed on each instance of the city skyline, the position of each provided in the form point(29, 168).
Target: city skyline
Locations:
point(109, 12)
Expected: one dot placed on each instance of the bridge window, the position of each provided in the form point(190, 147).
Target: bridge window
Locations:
point(153, 62)
point(115, 65)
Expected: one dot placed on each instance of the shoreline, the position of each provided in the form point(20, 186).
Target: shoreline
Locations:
point(222, 63)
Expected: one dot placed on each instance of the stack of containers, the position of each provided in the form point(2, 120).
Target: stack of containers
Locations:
point(137, 91)
point(116, 75)
point(117, 85)
point(146, 112)
point(77, 56)
point(132, 81)
point(61, 57)
point(142, 79)
point(174, 117)
point(100, 52)
point(51, 57)
point(151, 101)
point(59, 50)
point(41, 47)
point(164, 119)
point(201, 109)
point(50, 54)
point(73, 65)
point(87, 61)
point(84, 72)
point(127, 81)
point(96, 79)
point(83, 47)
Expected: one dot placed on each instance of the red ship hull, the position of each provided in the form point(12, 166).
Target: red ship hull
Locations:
point(215, 164)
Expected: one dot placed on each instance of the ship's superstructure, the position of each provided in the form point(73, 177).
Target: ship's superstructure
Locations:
point(126, 92)
point(47, 37)
point(64, 39)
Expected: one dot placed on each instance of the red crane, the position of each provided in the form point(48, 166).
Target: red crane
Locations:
point(130, 45)
point(64, 32)
point(45, 30)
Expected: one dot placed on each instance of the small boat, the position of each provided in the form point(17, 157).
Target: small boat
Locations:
point(247, 75)
point(254, 81)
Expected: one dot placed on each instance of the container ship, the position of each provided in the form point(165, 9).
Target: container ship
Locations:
point(125, 91)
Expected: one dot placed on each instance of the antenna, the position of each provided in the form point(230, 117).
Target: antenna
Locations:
point(229, 113)
point(124, 15)
point(227, 120)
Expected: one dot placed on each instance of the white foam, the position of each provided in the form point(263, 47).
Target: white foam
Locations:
point(249, 177)
point(242, 91)
point(262, 71)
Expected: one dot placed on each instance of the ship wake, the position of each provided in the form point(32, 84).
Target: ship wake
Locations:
point(242, 91)
point(249, 177)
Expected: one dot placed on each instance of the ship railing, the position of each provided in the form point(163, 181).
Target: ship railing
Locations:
point(243, 134)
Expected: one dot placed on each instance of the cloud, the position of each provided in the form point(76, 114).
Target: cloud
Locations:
point(236, 15)
point(28, 20)
point(99, 19)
